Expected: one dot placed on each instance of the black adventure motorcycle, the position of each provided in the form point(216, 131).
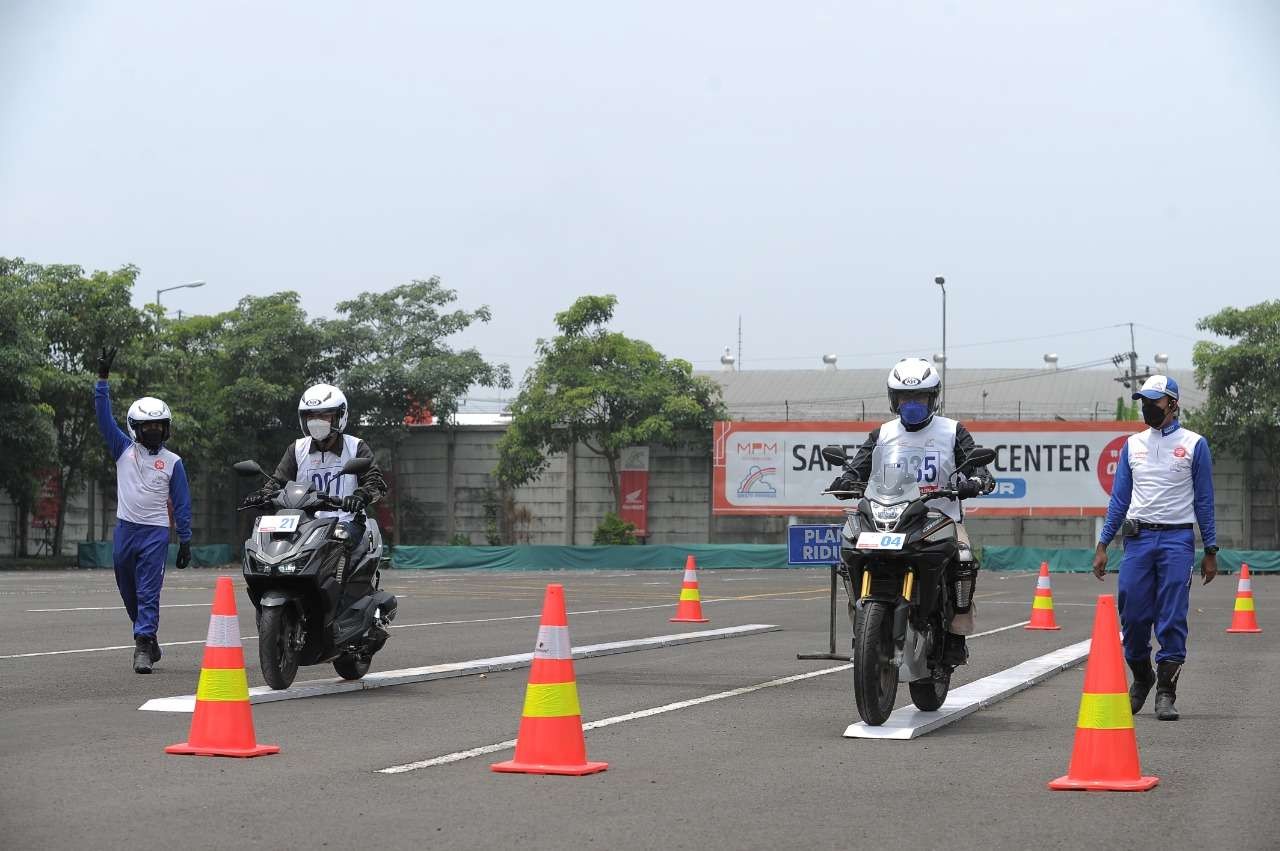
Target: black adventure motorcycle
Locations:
point(898, 561)
point(315, 590)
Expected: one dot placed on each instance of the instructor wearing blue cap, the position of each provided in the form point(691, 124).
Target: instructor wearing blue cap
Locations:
point(1164, 482)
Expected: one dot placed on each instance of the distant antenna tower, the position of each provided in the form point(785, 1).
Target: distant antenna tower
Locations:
point(739, 341)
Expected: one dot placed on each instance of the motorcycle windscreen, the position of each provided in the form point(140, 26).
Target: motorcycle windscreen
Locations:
point(895, 470)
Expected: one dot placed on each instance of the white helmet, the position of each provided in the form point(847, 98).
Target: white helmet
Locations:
point(322, 398)
point(148, 409)
point(914, 375)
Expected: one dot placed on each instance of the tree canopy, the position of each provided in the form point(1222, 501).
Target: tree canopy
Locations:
point(604, 390)
point(1242, 412)
point(232, 380)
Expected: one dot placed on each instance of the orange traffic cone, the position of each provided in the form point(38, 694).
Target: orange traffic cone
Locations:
point(1244, 619)
point(223, 721)
point(1042, 603)
point(689, 609)
point(1105, 756)
point(550, 738)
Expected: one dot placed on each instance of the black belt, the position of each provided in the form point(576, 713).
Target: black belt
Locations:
point(1162, 527)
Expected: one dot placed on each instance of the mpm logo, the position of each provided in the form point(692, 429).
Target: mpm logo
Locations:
point(757, 448)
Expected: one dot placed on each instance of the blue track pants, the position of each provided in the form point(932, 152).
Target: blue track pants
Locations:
point(1155, 589)
point(138, 554)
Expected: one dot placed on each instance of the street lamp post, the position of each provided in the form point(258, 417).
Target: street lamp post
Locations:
point(190, 285)
point(942, 283)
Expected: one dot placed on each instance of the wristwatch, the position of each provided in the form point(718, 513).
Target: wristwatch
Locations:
point(1211, 550)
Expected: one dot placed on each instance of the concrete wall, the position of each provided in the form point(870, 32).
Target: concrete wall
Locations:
point(449, 494)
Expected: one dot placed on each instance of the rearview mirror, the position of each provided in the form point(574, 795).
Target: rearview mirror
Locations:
point(247, 468)
point(357, 465)
point(834, 455)
point(979, 457)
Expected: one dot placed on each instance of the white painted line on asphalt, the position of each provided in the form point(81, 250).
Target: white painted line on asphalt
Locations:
point(617, 719)
point(314, 688)
point(644, 713)
point(113, 647)
point(537, 615)
point(121, 608)
point(1056, 603)
point(1001, 629)
point(909, 722)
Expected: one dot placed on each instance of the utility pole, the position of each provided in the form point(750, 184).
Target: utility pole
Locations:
point(739, 341)
point(1130, 378)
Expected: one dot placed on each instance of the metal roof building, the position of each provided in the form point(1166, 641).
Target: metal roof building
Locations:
point(993, 394)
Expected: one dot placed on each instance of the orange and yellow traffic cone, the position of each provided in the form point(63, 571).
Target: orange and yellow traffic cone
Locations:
point(1105, 755)
point(1042, 603)
point(550, 738)
point(689, 610)
point(223, 720)
point(1244, 619)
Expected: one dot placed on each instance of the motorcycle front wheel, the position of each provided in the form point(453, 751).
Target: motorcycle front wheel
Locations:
point(875, 678)
point(277, 655)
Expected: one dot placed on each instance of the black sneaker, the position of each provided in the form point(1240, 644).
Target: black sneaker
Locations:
point(142, 655)
point(155, 650)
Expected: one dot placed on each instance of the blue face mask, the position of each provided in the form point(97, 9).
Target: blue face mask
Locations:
point(913, 413)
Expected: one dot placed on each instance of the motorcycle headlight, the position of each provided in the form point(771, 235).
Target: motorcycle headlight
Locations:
point(886, 513)
point(289, 567)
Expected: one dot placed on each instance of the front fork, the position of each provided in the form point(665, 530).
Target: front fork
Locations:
point(901, 611)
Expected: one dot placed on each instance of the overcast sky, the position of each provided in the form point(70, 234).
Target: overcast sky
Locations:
point(808, 167)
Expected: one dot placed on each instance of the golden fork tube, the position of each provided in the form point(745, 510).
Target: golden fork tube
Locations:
point(866, 583)
point(907, 582)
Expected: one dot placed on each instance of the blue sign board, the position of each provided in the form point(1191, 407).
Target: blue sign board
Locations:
point(817, 544)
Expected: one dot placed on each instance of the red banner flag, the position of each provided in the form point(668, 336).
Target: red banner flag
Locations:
point(634, 481)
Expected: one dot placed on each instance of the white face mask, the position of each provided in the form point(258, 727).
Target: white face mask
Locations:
point(319, 429)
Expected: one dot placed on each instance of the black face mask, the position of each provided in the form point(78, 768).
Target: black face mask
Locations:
point(152, 438)
point(1153, 415)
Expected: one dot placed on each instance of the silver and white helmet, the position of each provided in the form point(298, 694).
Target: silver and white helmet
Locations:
point(148, 409)
point(322, 398)
point(914, 375)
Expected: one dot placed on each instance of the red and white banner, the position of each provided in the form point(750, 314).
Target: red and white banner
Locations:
point(634, 481)
point(1042, 469)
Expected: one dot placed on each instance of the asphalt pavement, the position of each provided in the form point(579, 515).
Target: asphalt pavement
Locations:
point(764, 767)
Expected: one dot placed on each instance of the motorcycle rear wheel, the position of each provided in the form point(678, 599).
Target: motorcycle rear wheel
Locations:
point(929, 694)
point(351, 666)
point(875, 677)
point(277, 627)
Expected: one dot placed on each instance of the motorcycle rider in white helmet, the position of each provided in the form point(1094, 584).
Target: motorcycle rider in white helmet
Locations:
point(317, 457)
point(943, 444)
point(149, 478)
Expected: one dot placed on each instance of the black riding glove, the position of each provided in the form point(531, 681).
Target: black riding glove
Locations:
point(184, 555)
point(104, 362)
point(844, 482)
point(969, 488)
point(257, 499)
point(354, 503)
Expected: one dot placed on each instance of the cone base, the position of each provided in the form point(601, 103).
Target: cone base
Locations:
point(708, 620)
point(1066, 783)
point(1244, 629)
point(513, 767)
point(1029, 626)
point(185, 749)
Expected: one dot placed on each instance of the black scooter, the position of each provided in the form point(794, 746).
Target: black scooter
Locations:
point(314, 588)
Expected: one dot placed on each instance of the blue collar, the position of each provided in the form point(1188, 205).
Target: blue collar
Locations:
point(1171, 428)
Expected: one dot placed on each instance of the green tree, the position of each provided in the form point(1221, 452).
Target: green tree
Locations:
point(26, 423)
point(606, 391)
point(1242, 413)
point(388, 353)
point(77, 315)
